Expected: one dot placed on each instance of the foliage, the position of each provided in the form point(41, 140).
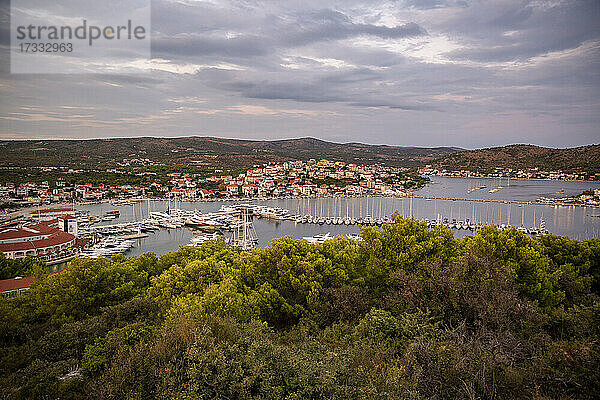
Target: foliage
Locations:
point(526, 261)
point(329, 181)
point(406, 313)
point(524, 157)
point(25, 267)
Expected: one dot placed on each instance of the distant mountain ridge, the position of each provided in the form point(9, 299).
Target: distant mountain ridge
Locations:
point(524, 156)
point(209, 151)
point(237, 153)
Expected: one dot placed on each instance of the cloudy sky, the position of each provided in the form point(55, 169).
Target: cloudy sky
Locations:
point(407, 72)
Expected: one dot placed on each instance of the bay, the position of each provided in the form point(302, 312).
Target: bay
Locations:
point(573, 221)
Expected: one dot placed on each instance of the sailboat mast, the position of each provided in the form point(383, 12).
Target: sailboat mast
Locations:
point(245, 233)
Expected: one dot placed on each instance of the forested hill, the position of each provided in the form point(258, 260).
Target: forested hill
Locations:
point(521, 156)
point(208, 151)
point(234, 153)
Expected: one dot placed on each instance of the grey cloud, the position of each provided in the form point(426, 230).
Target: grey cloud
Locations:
point(198, 35)
point(534, 30)
point(197, 45)
point(433, 4)
point(328, 24)
point(4, 36)
point(305, 55)
point(303, 92)
point(364, 56)
point(172, 18)
point(142, 79)
point(325, 88)
point(396, 106)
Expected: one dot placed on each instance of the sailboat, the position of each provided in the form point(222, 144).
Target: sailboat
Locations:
point(543, 229)
point(347, 219)
point(244, 236)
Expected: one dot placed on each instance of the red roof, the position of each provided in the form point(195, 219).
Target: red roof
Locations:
point(12, 223)
point(16, 234)
point(53, 210)
point(21, 283)
point(17, 246)
point(54, 236)
point(44, 227)
point(15, 283)
point(57, 238)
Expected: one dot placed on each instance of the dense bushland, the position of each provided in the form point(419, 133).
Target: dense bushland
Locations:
point(406, 313)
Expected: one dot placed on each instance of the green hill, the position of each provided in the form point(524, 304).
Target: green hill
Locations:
point(207, 151)
point(522, 156)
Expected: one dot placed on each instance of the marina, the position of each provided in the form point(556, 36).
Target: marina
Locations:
point(161, 227)
point(136, 226)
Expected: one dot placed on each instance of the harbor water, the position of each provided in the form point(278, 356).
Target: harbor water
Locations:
point(573, 221)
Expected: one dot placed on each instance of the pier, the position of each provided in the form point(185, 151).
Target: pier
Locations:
point(541, 203)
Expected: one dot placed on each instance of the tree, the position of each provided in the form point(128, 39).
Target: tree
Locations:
point(526, 259)
point(20, 267)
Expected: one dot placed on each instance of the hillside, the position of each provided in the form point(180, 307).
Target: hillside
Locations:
point(521, 156)
point(205, 151)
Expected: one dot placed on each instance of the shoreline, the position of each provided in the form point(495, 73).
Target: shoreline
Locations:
point(507, 177)
point(409, 194)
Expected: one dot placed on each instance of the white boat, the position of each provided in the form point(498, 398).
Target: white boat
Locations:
point(354, 236)
point(200, 239)
point(319, 238)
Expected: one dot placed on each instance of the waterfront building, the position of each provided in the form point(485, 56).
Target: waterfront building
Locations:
point(48, 241)
point(49, 213)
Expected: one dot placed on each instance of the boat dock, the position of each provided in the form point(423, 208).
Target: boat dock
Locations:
point(538, 202)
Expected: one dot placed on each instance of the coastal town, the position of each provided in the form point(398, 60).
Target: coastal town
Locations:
point(40, 226)
point(312, 178)
point(36, 222)
point(295, 178)
point(531, 173)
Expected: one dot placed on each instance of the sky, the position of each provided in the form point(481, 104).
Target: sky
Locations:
point(461, 73)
